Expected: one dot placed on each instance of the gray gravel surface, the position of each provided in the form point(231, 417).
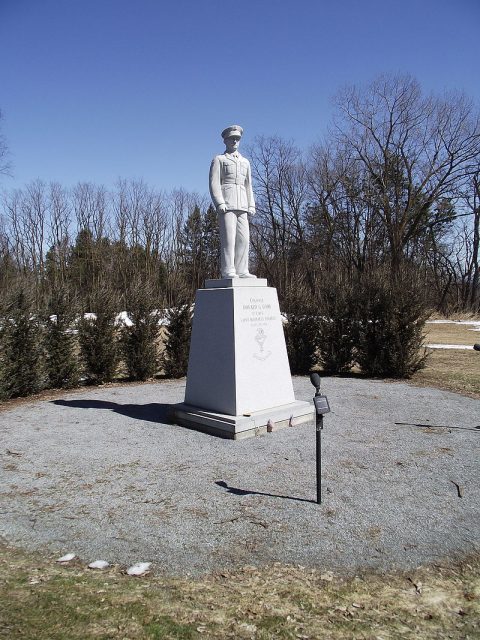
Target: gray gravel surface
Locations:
point(100, 472)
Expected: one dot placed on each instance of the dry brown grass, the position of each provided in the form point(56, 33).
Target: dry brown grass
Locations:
point(451, 334)
point(44, 601)
point(452, 370)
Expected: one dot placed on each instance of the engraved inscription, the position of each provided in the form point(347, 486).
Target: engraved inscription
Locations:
point(258, 315)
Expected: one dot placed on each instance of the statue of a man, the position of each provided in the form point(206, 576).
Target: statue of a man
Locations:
point(232, 195)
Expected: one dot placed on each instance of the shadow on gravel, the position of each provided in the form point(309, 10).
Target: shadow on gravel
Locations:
point(436, 426)
point(243, 492)
point(153, 412)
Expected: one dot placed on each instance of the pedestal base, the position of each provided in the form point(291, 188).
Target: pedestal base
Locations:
point(238, 374)
point(246, 426)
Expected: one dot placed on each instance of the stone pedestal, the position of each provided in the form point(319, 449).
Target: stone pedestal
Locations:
point(238, 373)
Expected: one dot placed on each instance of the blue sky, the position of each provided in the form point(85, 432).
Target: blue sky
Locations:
point(94, 90)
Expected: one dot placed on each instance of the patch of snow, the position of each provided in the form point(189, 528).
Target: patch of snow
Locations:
point(473, 323)
point(99, 564)
point(66, 558)
point(122, 318)
point(449, 346)
point(139, 569)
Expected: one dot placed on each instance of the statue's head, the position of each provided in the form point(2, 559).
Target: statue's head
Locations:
point(231, 137)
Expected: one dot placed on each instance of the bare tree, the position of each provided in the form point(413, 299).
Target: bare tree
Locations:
point(58, 238)
point(468, 253)
point(90, 204)
point(91, 259)
point(281, 191)
point(26, 213)
point(141, 220)
point(413, 150)
point(181, 205)
point(343, 226)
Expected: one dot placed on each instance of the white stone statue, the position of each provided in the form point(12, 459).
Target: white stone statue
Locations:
point(232, 195)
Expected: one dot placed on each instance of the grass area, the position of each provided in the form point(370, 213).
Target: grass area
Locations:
point(452, 370)
point(44, 601)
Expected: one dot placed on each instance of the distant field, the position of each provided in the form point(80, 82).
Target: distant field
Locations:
point(451, 369)
point(452, 333)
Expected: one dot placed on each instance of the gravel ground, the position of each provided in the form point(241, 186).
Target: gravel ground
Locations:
point(101, 473)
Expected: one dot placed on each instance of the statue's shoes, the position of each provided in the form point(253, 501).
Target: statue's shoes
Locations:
point(246, 275)
point(229, 275)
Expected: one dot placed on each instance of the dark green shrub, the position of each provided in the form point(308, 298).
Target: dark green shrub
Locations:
point(301, 337)
point(20, 349)
point(392, 316)
point(139, 341)
point(337, 326)
point(177, 345)
point(98, 340)
point(61, 359)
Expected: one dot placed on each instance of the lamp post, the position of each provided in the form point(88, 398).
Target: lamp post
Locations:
point(321, 408)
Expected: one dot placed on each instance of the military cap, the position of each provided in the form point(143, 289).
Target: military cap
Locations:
point(234, 130)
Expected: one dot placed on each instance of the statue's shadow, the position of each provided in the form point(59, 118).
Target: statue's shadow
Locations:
point(152, 412)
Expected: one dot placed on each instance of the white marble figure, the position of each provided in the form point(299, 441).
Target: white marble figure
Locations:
point(232, 195)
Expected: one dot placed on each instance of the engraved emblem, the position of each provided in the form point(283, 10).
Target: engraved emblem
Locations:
point(260, 338)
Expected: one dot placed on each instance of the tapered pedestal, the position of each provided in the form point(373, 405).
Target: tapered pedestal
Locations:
point(238, 373)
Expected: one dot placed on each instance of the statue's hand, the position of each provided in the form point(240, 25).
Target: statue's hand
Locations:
point(251, 212)
point(222, 208)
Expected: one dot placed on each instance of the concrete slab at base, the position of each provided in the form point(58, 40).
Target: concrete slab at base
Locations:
point(246, 426)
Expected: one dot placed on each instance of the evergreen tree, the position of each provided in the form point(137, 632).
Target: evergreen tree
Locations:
point(90, 262)
point(61, 361)
point(139, 341)
point(98, 340)
point(200, 243)
point(337, 325)
point(391, 321)
point(301, 338)
point(211, 237)
point(177, 345)
point(20, 351)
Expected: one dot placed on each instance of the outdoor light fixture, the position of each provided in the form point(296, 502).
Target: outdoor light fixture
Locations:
point(321, 408)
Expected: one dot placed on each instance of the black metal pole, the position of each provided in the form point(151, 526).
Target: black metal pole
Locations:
point(318, 430)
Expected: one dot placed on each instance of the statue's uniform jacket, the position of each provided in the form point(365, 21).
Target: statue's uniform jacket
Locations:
point(231, 183)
